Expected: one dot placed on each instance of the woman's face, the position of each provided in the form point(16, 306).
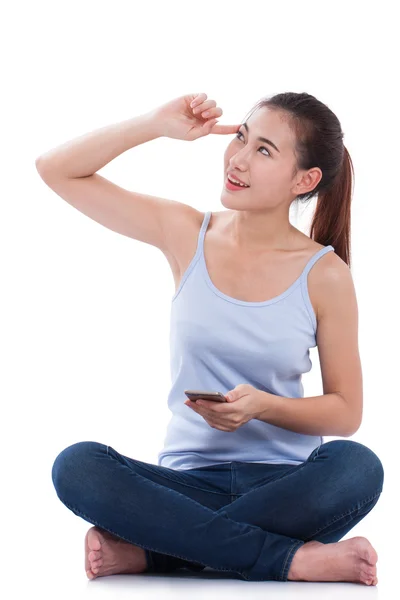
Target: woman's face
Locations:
point(266, 169)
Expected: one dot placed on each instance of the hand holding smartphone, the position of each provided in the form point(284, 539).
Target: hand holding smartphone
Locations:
point(204, 394)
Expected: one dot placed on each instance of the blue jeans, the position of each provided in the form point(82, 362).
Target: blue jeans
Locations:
point(247, 518)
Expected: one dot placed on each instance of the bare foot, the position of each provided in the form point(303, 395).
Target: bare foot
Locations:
point(350, 560)
point(106, 554)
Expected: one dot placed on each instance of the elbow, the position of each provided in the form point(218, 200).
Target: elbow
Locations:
point(45, 170)
point(39, 164)
point(353, 430)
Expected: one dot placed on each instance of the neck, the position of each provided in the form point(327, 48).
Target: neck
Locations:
point(252, 231)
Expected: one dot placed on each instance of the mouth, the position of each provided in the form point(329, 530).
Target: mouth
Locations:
point(230, 185)
point(233, 179)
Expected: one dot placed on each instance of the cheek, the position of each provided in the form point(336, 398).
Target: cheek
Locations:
point(229, 152)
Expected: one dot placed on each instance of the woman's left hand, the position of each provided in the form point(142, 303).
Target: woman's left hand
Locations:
point(244, 403)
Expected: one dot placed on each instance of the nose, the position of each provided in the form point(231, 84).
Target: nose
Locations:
point(239, 161)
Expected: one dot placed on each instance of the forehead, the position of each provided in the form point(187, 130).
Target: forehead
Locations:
point(273, 125)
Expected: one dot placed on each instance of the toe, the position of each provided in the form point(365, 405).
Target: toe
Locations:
point(94, 555)
point(368, 552)
point(93, 539)
point(368, 573)
point(367, 577)
point(96, 564)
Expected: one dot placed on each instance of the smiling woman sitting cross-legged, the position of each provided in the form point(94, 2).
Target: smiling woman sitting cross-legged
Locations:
point(247, 484)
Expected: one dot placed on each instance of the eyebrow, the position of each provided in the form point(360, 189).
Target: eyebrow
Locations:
point(262, 139)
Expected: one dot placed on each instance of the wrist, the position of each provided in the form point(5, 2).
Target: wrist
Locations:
point(154, 123)
point(266, 406)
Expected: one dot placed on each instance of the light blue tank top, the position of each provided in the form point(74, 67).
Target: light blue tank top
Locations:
point(217, 342)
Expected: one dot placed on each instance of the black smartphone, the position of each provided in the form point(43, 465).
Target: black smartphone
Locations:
point(199, 394)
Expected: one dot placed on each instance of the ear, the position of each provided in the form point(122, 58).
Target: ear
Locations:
point(309, 181)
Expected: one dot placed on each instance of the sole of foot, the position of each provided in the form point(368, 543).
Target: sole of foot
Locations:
point(106, 554)
point(352, 560)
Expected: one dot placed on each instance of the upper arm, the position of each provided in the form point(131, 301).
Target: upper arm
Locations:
point(337, 335)
point(149, 219)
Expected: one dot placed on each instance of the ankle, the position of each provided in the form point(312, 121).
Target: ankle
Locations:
point(301, 559)
point(294, 573)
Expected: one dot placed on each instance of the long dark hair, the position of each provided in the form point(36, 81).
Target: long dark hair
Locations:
point(319, 143)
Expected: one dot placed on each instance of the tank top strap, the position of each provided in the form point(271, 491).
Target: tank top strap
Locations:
point(202, 232)
point(314, 259)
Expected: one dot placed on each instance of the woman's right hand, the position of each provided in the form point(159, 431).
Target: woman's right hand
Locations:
point(182, 120)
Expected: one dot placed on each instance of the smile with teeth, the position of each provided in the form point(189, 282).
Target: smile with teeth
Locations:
point(236, 182)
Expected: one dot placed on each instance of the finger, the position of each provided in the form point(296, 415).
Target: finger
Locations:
point(221, 427)
point(210, 419)
point(212, 113)
point(225, 129)
point(215, 407)
point(198, 99)
point(200, 108)
point(203, 412)
point(208, 405)
point(208, 125)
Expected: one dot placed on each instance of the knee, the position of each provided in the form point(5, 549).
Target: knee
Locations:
point(73, 464)
point(360, 460)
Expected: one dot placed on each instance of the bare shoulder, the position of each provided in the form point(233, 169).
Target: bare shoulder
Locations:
point(329, 267)
point(330, 278)
point(185, 235)
point(182, 239)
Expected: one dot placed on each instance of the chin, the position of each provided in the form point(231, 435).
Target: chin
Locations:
point(229, 201)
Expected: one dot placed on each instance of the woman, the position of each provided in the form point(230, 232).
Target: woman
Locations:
point(247, 485)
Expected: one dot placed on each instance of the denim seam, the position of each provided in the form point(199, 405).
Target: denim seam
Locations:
point(290, 554)
point(295, 469)
point(87, 517)
point(346, 514)
point(194, 487)
point(233, 481)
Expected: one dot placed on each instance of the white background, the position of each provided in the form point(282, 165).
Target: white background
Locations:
point(85, 311)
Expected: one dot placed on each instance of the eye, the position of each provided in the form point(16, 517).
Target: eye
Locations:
point(261, 147)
